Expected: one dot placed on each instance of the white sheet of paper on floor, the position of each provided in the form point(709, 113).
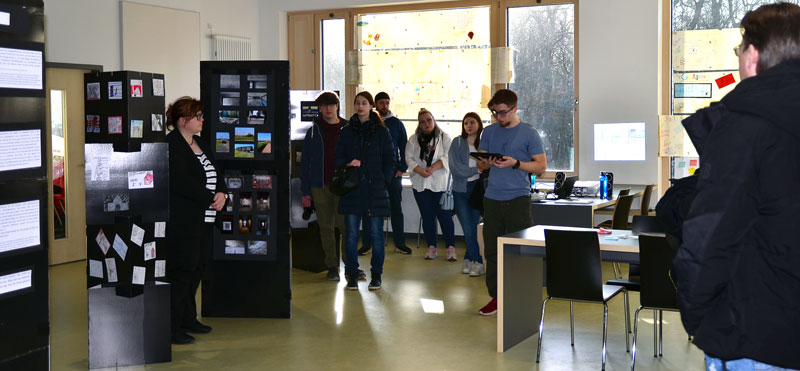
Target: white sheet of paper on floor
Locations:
point(138, 275)
point(137, 234)
point(111, 269)
point(149, 251)
point(161, 229)
point(120, 247)
point(102, 241)
point(95, 268)
point(161, 268)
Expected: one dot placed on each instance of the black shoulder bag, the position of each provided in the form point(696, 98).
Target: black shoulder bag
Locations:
point(345, 178)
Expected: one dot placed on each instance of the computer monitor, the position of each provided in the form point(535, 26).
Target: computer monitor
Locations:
point(566, 188)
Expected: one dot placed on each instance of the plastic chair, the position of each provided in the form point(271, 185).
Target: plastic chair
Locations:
point(644, 209)
point(574, 273)
point(622, 210)
point(657, 289)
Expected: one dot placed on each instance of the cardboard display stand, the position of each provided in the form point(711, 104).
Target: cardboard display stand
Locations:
point(247, 124)
point(127, 208)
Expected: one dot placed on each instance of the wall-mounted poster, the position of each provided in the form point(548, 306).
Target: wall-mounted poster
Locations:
point(92, 123)
point(115, 90)
point(93, 91)
point(156, 122)
point(158, 87)
point(137, 128)
point(21, 69)
point(136, 88)
point(19, 225)
point(21, 149)
point(115, 124)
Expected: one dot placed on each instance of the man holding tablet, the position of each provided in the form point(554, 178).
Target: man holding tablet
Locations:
point(507, 200)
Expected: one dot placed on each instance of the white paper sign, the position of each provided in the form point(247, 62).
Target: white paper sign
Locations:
point(95, 268)
point(120, 247)
point(102, 241)
point(111, 269)
point(16, 281)
point(161, 229)
point(19, 225)
point(137, 234)
point(149, 251)
point(158, 87)
point(5, 19)
point(20, 69)
point(138, 275)
point(161, 268)
point(98, 167)
point(140, 179)
point(21, 149)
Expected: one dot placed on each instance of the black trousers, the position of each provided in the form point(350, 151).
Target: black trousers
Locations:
point(189, 251)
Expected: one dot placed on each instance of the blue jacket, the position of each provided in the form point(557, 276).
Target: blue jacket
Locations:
point(377, 167)
point(458, 157)
point(313, 161)
point(399, 139)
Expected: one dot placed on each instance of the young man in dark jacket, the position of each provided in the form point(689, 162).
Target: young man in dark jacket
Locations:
point(738, 269)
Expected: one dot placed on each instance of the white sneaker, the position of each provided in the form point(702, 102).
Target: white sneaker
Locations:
point(431, 254)
point(477, 269)
point(467, 267)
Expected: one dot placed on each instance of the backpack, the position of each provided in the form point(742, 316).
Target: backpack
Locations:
point(674, 206)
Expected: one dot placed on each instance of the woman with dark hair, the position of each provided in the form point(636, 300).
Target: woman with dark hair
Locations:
point(196, 193)
point(365, 143)
point(465, 176)
point(426, 156)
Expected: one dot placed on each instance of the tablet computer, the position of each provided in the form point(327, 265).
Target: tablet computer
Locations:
point(485, 155)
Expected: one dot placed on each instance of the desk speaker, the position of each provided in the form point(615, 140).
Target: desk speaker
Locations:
point(610, 179)
point(559, 181)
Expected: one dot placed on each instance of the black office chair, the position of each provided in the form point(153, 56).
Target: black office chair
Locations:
point(647, 193)
point(574, 273)
point(657, 289)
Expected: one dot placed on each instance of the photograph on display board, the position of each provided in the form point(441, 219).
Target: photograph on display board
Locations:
point(244, 134)
point(262, 225)
point(262, 182)
point(243, 150)
point(93, 91)
point(137, 128)
point(233, 182)
point(92, 123)
point(156, 122)
point(116, 202)
point(257, 247)
point(115, 90)
point(234, 247)
point(264, 143)
point(223, 141)
point(229, 117)
point(136, 89)
point(229, 99)
point(245, 224)
point(229, 203)
point(262, 202)
point(115, 124)
point(256, 117)
point(158, 87)
point(229, 81)
point(257, 99)
point(245, 202)
point(257, 81)
point(227, 224)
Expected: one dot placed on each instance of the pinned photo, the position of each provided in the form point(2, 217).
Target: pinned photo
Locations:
point(227, 224)
point(234, 247)
point(257, 99)
point(93, 91)
point(262, 181)
point(243, 150)
point(116, 202)
point(115, 90)
point(223, 141)
point(233, 182)
point(229, 99)
point(158, 87)
point(115, 124)
point(256, 117)
point(136, 88)
point(92, 123)
point(262, 202)
point(245, 202)
point(264, 143)
point(257, 247)
point(156, 122)
point(257, 81)
point(245, 223)
point(137, 128)
point(244, 134)
point(140, 179)
point(262, 225)
point(229, 204)
point(229, 81)
point(228, 117)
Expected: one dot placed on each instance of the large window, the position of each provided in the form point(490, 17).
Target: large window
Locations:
point(333, 36)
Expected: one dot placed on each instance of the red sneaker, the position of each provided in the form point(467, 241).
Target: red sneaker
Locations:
point(490, 308)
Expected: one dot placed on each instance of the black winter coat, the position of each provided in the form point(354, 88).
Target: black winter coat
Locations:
point(188, 196)
point(377, 167)
point(738, 269)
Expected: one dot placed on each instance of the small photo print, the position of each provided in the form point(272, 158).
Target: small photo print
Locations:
point(245, 134)
point(243, 150)
point(245, 202)
point(229, 203)
point(257, 99)
point(262, 225)
point(115, 124)
point(233, 182)
point(262, 181)
point(156, 122)
point(116, 202)
point(256, 117)
point(229, 99)
point(93, 91)
point(257, 247)
point(229, 81)
point(115, 90)
point(234, 247)
point(264, 143)
point(137, 128)
point(229, 117)
point(257, 81)
point(262, 202)
point(223, 141)
point(92, 123)
point(136, 88)
point(245, 224)
point(158, 87)
point(227, 224)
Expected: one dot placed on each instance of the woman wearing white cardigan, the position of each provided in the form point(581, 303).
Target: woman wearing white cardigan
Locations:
point(426, 156)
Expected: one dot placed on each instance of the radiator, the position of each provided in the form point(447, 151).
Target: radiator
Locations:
point(231, 48)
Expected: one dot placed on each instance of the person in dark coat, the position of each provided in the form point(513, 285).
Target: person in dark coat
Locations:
point(371, 198)
point(738, 268)
point(196, 193)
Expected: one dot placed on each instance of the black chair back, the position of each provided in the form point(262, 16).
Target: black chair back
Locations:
point(573, 265)
point(646, 224)
point(621, 212)
point(646, 194)
point(624, 192)
point(655, 258)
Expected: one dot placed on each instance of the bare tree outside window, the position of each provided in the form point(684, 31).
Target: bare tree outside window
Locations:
point(712, 14)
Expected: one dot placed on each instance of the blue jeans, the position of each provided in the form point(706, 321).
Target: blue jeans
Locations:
point(429, 208)
point(351, 226)
point(469, 219)
point(743, 364)
point(396, 206)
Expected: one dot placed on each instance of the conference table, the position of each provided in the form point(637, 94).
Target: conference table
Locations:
point(520, 275)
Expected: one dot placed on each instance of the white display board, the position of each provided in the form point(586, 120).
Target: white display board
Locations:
point(19, 225)
point(619, 141)
point(21, 149)
point(21, 69)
